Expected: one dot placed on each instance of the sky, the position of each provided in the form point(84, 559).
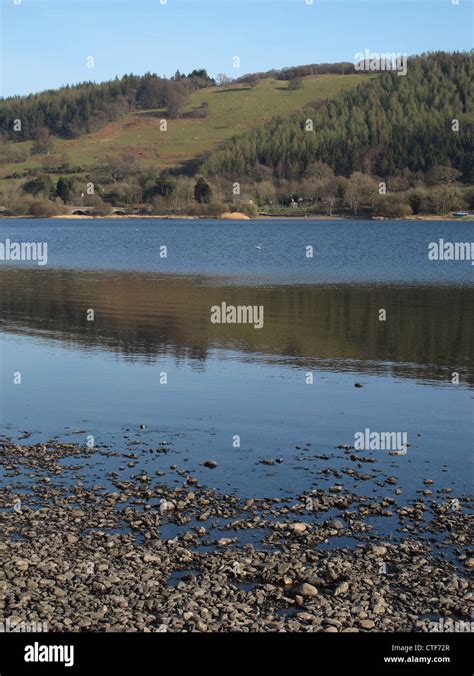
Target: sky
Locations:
point(48, 43)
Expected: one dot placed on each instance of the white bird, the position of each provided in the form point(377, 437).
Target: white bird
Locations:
point(259, 246)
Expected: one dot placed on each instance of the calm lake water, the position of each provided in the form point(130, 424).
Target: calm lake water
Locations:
point(321, 317)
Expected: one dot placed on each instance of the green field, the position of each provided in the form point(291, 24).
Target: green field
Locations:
point(232, 109)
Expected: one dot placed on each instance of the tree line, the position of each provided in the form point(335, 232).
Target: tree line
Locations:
point(74, 110)
point(292, 72)
point(124, 184)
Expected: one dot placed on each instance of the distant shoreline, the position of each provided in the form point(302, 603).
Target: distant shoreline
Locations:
point(238, 217)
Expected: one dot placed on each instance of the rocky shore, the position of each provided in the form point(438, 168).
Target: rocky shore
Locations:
point(141, 554)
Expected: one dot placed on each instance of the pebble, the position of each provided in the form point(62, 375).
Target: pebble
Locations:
point(343, 588)
point(300, 527)
point(379, 550)
point(135, 566)
point(366, 624)
point(308, 590)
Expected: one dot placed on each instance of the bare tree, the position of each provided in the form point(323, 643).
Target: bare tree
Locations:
point(222, 79)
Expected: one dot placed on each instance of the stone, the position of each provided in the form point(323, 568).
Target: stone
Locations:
point(308, 590)
point(366, 624)
point(343, 588)
point(21, 564)
point(379, 550)
point(337, 523)
point(167, 506)
point(299, 527)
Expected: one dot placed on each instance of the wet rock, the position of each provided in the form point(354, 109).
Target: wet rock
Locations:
point(299, 527)
point(167, 506)
point(337, 524)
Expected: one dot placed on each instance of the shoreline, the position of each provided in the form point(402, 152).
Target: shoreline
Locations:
point(144, 555)
point(167, 217)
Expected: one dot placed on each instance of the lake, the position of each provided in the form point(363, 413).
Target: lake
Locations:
point(230, 392)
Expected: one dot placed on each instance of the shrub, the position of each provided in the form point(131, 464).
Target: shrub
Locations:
point(248, 208)
point(391, 206)
point(43, 209)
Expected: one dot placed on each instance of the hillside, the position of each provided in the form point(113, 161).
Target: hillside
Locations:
point(378, 144)
point(231, 109)
point(388, 124)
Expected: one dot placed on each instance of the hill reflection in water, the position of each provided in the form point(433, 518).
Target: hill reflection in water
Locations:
point(141, 316)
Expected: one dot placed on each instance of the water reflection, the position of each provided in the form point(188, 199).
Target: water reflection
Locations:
point(144, 315)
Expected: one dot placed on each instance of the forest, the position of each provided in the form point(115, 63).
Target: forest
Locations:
point(75, 110)
point(389, 124)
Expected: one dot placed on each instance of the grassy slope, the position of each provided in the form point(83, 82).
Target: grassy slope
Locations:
point(232, 109)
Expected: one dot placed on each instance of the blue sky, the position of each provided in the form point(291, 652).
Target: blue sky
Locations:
point(46, 43)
